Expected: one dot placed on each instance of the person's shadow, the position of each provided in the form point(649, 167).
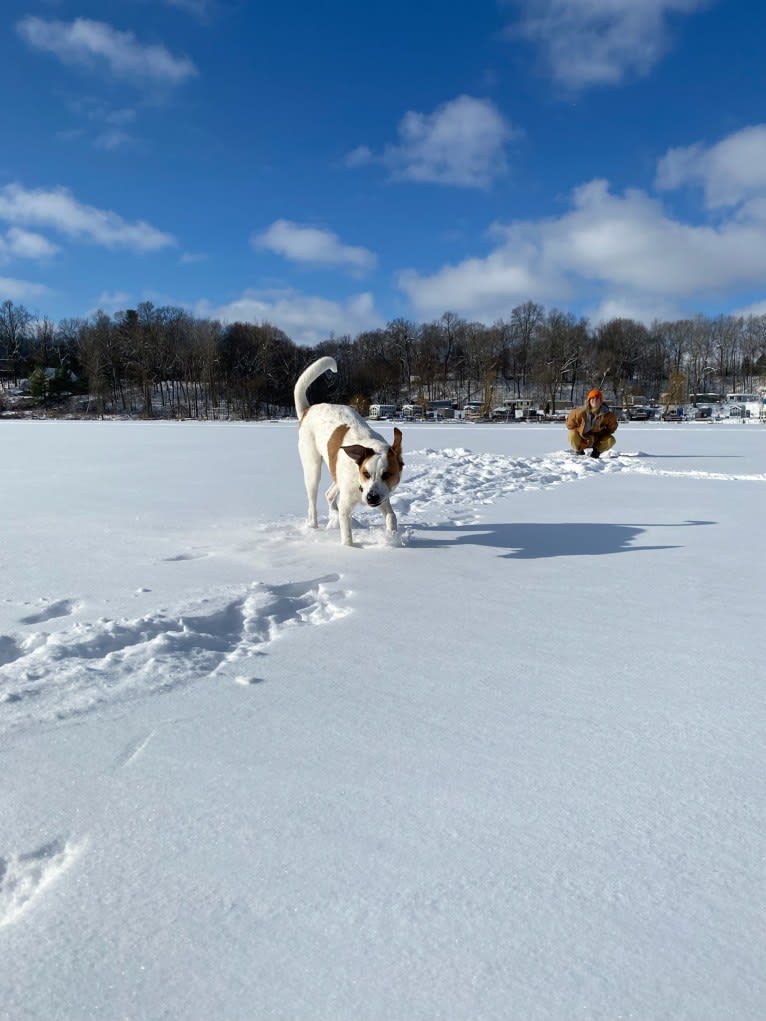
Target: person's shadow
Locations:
point(530, 540)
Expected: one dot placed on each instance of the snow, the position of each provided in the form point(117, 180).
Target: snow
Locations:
point(510, 767)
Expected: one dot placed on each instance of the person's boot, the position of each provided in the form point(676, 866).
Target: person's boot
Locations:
point(594, 452)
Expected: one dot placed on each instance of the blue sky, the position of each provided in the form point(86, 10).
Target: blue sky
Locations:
point(330, 167)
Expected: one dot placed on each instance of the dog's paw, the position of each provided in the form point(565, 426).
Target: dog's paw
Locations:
point(382, 538)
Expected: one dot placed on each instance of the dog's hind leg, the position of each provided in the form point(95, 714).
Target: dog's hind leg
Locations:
point(312, 469)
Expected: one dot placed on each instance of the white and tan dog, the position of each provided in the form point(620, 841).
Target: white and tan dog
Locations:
point(365, 468)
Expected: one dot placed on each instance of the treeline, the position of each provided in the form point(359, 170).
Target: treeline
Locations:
point(160, 361)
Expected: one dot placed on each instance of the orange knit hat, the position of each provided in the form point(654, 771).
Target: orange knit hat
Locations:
point(596, 393)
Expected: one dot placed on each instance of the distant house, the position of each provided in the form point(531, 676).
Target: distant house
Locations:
point(378, 411)
point(413, 412)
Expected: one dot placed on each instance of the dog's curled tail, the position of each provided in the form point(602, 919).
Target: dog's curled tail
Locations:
point(306, 378)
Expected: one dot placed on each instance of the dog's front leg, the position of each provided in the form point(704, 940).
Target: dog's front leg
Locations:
point(345, 528)
point(389, 515)
point(344, 519)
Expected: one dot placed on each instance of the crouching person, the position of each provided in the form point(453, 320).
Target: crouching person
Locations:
point(592, 425)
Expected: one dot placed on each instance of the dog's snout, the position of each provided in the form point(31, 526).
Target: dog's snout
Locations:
point(373, 498)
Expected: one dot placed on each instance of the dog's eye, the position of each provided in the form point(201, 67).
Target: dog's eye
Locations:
point(366, 474)
point(386, 476)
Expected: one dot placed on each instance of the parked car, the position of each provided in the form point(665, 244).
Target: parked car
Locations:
point(699, 413)
point(639, 413)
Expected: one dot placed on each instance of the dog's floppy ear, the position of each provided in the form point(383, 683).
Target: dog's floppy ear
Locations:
point(396, 446)
point(357, 452)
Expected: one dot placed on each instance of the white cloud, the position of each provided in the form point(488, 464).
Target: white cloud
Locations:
point(111, 302)
point(307, 319)
point(629, 239)
point(24, 244)
point(460, 143)
point(87, 43)
point(58, 210)
point(21, 290)
point(624, 248)
point(729, 172)
point(113, 139)
point(311, 245)
point(483, 289)
point(359, 157)
point(642, 308)
point(597, 42)
point(756, 309)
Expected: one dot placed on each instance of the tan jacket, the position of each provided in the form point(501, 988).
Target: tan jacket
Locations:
point(592, 427)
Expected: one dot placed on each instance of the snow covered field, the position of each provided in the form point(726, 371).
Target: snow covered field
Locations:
point(512, 768)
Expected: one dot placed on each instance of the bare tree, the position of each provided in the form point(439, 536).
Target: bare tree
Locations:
point(726, 337)
point(621, 346)
point(96, 350)
point(15, 335)
point(403, 337)
point(558, 352)
point(526, 320)
point(753, 348)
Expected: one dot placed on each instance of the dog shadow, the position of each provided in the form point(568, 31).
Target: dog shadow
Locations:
point(531, 541)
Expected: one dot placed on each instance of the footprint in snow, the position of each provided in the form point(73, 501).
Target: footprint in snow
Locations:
point(24, 878)
point(61, 608)
point(51, 677)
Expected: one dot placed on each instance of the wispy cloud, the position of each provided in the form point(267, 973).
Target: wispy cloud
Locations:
point(598, 42)
point(58, 210)
point(107, 126)
point(88, 43)
point(112, 139)
point(111, 302)
point(21, 290)
point(313, 246)
point(307, 319)
point(460, 143)
point(359, 157)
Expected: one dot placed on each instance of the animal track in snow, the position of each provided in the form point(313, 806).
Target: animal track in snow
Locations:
point(25, 877)
point(442, 483)
point(61, 608)
point(10, 650)
point(47, 677)
point(451, 485)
